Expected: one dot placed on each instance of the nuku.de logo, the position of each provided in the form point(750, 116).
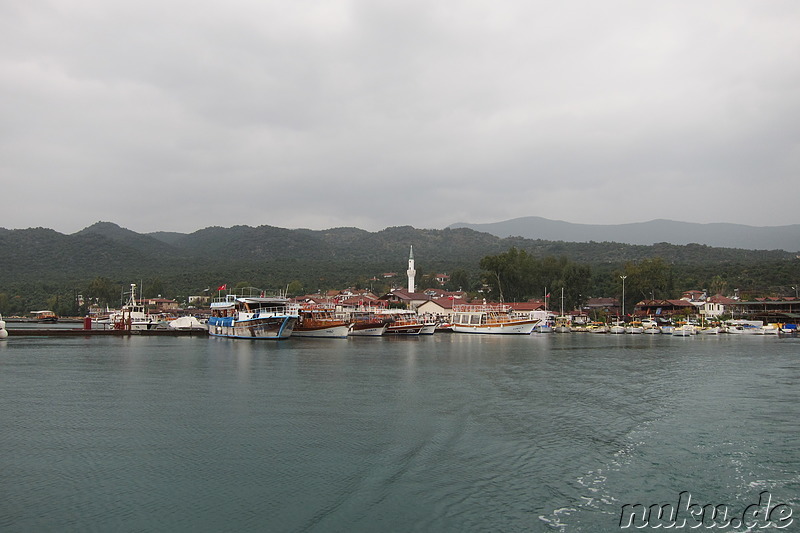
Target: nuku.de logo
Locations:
point(693, 515)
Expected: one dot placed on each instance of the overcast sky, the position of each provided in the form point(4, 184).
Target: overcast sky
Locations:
point(179, 115)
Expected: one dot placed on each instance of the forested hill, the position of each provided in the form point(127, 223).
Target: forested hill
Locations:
point(271, 256)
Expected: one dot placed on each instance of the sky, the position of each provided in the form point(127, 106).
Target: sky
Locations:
point(180, 115)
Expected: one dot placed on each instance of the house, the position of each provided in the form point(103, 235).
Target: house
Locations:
point(442, 307)
point(716, 305)
point(411, 300)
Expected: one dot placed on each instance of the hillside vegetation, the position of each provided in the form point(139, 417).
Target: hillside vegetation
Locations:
point(41, 267)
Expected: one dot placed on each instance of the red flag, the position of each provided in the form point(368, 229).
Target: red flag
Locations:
point(222, 287)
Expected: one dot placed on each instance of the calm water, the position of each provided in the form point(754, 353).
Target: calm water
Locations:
point(443, 433)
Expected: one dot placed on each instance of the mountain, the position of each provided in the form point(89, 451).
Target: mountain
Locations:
point(647, 233)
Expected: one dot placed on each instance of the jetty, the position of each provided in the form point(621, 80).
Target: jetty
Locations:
point(80, 332)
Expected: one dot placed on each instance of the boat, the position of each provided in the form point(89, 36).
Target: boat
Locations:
point(242, 315)
point(187, 323)
point(490, 319)
point(45, 317)
point(132, 317)
point(429, 328)
point(667, 329)
point(3, 332)
point(367, 324)
point(543, 327)
point(770, 329)
point(684, 330)
point(404, 325)
point(597, 327)
point(562, 321)
point(650, 327)
point(617, 327)
point(634, 328)
point(320, 321)
point(709, 330)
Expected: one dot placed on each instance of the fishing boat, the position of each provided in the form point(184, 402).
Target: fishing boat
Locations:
point(132, 317)
point(320, 321)
point(684, 330)
point(490, 319)
point(634, 328)
point(617, 327)
point(650, 327)
point(248, 314)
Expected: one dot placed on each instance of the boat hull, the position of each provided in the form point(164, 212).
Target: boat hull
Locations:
point(275, 327)
point(367, 330)
point(509, 328)
point(339, 331)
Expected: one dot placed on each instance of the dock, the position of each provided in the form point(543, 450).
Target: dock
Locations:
point(80, 332)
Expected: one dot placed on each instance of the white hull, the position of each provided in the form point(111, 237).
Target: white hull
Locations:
point(519, 328)
point(428, 329)
point(634, 330)
point(331, 332)
point(617, 330)
point(652, 331)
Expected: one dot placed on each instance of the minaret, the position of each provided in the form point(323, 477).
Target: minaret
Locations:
point(411, 272)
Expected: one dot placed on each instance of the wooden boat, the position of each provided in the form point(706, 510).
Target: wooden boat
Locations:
point(490, 319)
point(320, 321)
point(366, 324)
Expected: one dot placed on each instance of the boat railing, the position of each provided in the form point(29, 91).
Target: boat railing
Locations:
point(481, 308)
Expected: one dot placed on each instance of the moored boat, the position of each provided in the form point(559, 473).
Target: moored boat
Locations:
point(45, 317)
point(490, 319)
point(132, 317)
point(243, 316)
point(3, 332)
point(315, 321)
point(617, 328)
point(366, 324)
point(634, 328)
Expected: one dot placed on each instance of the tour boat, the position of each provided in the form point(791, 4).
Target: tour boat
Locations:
point(490, 319)
point(317, 321)
point(242, 316)
point(45, 317)
point(366, 324)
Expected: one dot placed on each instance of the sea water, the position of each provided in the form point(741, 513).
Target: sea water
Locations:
point(451, 432)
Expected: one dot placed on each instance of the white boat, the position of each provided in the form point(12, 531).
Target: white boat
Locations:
point(132, 317)
point(650, 327)
point(684, 330)
point(320, 321)
point(543, 327)
point(597, 328)
point(617, 328)
point(770, 329)
point(490, 319)
point(241, 316)
point(187, 323)
point(634, 328)
point(3, 332)
point(429, 328)
point(667, 329)
point(709, 330)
